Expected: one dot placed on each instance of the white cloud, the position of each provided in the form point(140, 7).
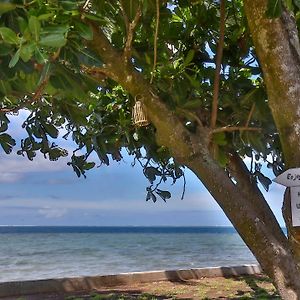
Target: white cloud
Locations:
point(52, 213)
point(45, 205)
point(9, 177)
point(13, 167)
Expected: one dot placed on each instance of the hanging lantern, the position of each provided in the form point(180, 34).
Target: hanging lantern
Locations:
point(139, 114)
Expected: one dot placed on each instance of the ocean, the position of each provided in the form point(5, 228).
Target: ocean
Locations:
point(31, 252)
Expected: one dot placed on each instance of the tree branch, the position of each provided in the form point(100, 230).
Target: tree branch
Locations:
point(125, 17)
point(86, 5)
point(130, 32)
point(96, 72)
point(234, 128)
point(36, 96)
point(242, 175)
point(214, 111)
point(250, 115)
point(111, 57)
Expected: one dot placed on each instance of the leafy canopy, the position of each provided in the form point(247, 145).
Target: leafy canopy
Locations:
point(49, 68)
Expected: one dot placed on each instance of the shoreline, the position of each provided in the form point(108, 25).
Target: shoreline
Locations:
point(92, 283)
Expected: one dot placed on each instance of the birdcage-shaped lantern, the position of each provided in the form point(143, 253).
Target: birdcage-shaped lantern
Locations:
point(139, 113)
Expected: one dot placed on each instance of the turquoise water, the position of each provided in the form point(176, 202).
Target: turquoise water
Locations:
point(46, 252)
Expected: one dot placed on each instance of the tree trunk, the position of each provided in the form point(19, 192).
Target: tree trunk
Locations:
point(249, 213)
point(241, 200)
point(277, 46)
point(293, 232)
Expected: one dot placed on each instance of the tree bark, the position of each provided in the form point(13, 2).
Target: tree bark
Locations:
point(293, 232)
point(241, 200)
point(277, 46)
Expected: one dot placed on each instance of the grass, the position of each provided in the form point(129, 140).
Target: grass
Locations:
point(236, 288)
point(114, 296)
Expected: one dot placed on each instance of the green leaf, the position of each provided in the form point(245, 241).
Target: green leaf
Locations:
point(5, 7)
point(148, 197)
point(194, 82)
point(251, 96)
point(45, 17)
point(151, 173)
point(51, 130)
point(7, 142)
point(5, 87)
point(163, 194)
point(178, 172)
point(14, 59)
point(84, 31)
point(58, 29)
point(22, 23)
point(289, 4)
point(27, 51)
point(153, 197)
point(95, 18)
point(3, 126)
point(117, 39)
point(222, 157)
point(265, 181)
point(56, 152)
point(297, 3)
point(274, 9)
point(9, 36)
point(5, 49)
point(189, 57)
point(89, 165)
point(40, 56)
point(53, 40)
point(45, 72)
point(69, 5)
point(256, 141)
point(219, 138)
point(34, 27)
point(88, 58)
point(192, 104)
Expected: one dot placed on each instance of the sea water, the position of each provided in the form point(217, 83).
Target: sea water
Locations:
point(48, 252)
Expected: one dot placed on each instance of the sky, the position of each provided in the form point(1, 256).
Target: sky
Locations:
point(41, 192)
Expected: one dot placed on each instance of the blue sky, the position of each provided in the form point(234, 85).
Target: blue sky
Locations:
point(49, 193)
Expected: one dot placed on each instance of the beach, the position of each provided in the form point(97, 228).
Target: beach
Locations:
point(242, 282)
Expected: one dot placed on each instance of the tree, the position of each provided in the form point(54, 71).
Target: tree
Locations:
point(218, 80)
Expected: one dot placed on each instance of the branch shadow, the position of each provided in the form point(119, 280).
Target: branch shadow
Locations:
point(119, 294)
point(256, 292)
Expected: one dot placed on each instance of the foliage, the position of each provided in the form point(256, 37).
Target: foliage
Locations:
point(49, 68)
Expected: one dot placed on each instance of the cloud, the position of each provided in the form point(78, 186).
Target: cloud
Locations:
point(52, 213)
point(9, 177)
point(14, 168)
point(54, 197)
point(60, 181)
point(6, 197)
point(194, 202)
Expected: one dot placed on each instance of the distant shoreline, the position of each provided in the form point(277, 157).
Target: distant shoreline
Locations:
point(117, 229)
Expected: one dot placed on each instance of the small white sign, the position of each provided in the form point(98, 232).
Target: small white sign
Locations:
point(295, 205)
point(289, 178)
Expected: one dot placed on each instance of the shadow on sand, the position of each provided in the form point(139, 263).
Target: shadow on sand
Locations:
point(254, 284)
